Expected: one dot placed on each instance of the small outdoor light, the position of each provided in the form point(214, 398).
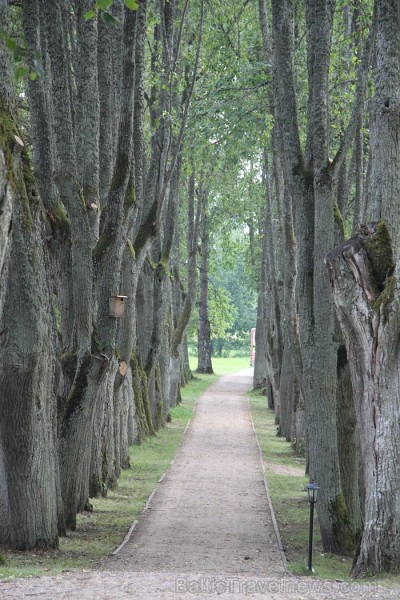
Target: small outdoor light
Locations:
point(117, 306)
point(312, 490)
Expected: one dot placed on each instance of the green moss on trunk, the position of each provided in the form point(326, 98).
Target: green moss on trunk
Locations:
point(378, 246)
point(131, 249)
point(75, 398)
point(102, 245)
point(97, 487)
point(8, 142)
point(120, 171)
point(143, 418)
point(96, 346)
point(130, 198)
point(62, 219)
point(341, 526)
point(339, 220)
point(385, 298)
point(160, 401)
point(69, 364)
point(19, 175)
point(147, 229)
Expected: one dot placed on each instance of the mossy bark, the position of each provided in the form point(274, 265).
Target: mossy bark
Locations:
point(141, 397)
point(203, 328)
point(369, 317)
point(341, 524)
point(160, 417)
point(29, 485)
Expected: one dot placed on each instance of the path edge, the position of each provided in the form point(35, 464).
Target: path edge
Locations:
point(270, 505)
point(152, 494)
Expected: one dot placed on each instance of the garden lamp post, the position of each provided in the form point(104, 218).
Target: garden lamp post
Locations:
point(312, 490)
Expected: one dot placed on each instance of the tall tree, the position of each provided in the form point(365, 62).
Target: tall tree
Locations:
point(204, 331)
point(29, 488)
point(310, 178)
point(364, 273)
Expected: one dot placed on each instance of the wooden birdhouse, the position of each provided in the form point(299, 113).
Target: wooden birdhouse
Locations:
point(117, 306)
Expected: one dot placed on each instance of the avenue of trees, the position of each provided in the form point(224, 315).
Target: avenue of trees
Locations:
point(176, 156)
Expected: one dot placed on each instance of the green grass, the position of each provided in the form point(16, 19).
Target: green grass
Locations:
point(224, 366)
point(289, 499)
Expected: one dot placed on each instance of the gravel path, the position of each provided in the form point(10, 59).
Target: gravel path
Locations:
point(207, 531)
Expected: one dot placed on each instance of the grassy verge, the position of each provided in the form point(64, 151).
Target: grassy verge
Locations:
point(224, 366)
point(101, 531)
point(286, 483)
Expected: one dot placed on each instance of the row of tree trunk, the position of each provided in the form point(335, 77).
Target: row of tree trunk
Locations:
point(327, 350)
point(89, 204)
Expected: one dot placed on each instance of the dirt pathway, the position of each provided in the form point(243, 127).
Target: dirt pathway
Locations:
point(210, 512)
point(207, 530)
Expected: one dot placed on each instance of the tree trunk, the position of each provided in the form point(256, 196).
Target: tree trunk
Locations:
point(6, 193)
point(309, 183)
point(29, 485)
point(204, 364)
point(260, 376)
point(364, 274)
point(349, 445)
point(368, 309)
point(6, 210)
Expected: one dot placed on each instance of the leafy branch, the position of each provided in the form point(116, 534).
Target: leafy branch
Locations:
point(103, 6)
point(21, 55)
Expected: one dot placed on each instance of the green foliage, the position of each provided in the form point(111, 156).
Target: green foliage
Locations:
point(131, 4)
point(103, 6)
point(225, 135)
point(109, 19)
point(243, 296)
point(229, 106)
point(349, 33)
point(90, 14)
point(222, 312)
point(232, 305)
point(25, 61)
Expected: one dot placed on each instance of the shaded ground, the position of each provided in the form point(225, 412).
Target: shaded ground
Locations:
point(207, 530)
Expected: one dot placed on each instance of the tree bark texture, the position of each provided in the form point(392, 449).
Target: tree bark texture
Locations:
point(204, 362)
point(385, 120)
point(6, 212)
point(366, 299)
point(29, 484)
point(104, 385)
point(364, 274)
point(349, 445)
point(310, 182)
point(271, 347)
